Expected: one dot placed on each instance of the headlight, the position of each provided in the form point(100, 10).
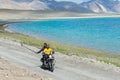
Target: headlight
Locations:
point(50, 56)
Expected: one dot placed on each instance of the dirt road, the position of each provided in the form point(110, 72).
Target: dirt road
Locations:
point(67, 68)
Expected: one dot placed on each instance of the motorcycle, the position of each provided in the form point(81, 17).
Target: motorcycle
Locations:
point(48, 63)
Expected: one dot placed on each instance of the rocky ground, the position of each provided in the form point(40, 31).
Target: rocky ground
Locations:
point(11, 71)
point(21, 64)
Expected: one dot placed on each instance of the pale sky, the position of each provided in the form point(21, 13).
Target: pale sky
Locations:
point(77, 1)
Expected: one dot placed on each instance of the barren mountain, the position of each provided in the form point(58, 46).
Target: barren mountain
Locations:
point(104, 6)
point(33, 5)
point(42, 5)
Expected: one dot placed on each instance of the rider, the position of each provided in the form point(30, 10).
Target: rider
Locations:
point(46, 52)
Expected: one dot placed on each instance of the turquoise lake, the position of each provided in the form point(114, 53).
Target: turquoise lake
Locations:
point(95, 33)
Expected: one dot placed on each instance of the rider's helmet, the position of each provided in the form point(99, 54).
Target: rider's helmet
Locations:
point(45, 44)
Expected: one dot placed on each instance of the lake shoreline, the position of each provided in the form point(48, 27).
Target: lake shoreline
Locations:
point(104, 47)
point(65, 49)
point(6, 24)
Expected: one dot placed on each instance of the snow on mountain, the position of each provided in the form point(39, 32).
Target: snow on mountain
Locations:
point(103, 6)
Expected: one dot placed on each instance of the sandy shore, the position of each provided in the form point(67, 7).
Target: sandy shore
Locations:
point(22, 15)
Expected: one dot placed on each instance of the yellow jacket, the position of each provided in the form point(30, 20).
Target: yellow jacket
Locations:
point(47, 51)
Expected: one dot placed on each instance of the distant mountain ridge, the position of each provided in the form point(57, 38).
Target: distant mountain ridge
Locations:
point(97, 6)
point(33, 5)
point(42, 5)
point(65, 6)
point(103, 6)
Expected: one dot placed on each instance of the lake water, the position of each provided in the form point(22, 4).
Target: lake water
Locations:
point(95, 33)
